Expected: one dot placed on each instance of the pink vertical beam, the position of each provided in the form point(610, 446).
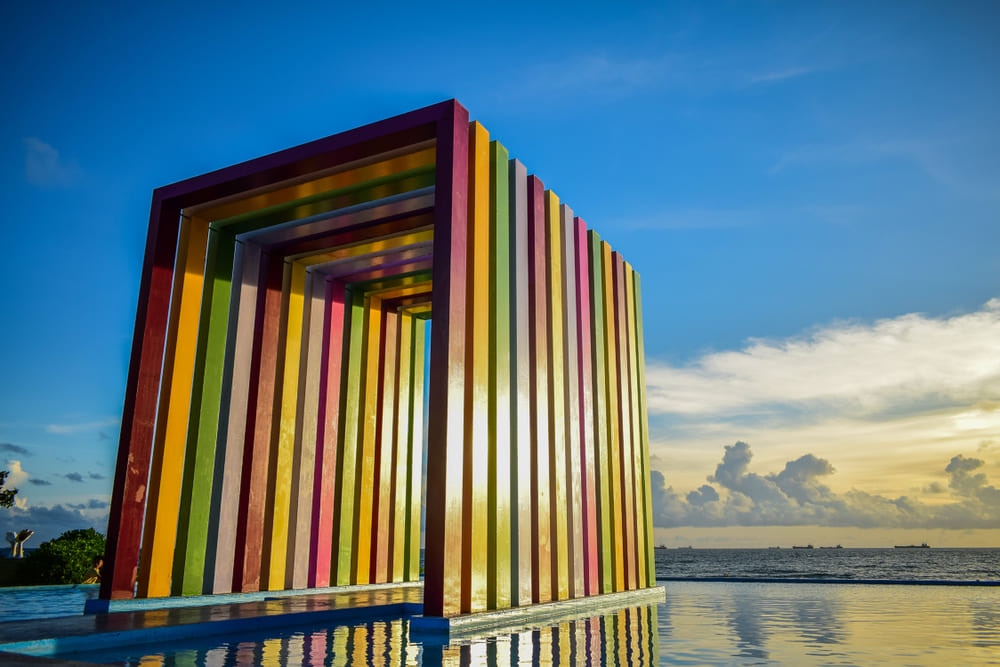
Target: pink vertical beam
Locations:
point(325, 479)
point(541, 565)
point(256, 451)
point(128, 500)
point(233, 414)
point(385, 447)
point(571, 342)
point(588, 490)
point(443, 538)
point(625, 422)
point(522, 376)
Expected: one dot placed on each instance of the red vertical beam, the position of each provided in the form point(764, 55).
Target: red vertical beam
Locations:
point(443, 537)
point(325, 478)
point(256, 452)
point(128, 501)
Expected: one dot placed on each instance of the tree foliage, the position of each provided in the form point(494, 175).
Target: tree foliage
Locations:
point(6, 495)
point(64, 560)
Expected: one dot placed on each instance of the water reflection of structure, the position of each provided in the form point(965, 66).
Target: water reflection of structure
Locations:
point(626, 637)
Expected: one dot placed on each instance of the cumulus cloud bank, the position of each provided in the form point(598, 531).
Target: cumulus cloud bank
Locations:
point(797, 496)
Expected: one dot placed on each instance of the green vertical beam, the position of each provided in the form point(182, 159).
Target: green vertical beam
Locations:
point(499, 548)
point(196, 487)
point(601, 442)
point(344, 514)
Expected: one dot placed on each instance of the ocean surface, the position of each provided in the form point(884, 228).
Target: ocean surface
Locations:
point(722, 607)
point(918, 565)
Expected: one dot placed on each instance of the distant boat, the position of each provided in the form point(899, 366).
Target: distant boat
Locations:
point(661, 546)
point(922, 545)
point(836, 547)
point(808, 546)
point(687, 547)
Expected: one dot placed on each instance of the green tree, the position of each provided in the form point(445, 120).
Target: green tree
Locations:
point(6, 495)
point(64, 560)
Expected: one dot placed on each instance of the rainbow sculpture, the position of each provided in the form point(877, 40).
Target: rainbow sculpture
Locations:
point(279, 406)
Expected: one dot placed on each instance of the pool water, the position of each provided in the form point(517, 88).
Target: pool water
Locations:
point(698, 624)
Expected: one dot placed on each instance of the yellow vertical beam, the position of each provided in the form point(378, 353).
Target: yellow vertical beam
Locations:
point(156, 563)
point(557, 400)
point(403, 444)
point(638, 487)
point(477, 471)
point(415, 452)
point(310, 369)
point(364, 492)
point(276, 545)
point(644, 433)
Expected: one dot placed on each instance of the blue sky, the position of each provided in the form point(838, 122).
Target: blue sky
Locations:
point(810, 192)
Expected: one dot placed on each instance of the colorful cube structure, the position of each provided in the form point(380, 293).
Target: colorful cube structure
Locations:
point(318, 326)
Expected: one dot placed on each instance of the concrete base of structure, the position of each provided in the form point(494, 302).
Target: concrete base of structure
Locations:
point(434, 629)
point(148, 604)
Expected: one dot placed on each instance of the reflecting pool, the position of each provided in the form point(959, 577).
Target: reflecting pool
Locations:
point(698, 624)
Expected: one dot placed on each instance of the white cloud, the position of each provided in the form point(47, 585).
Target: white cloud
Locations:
point(44, 166)
point(68, 429)
point(18, 475)
point(776, 75)
point(909, 364)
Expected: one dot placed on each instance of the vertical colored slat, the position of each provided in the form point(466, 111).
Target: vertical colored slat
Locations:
point(585, 369)
point(385, 449)
point(165, 479)
point(557, 400)
point(476, 459)
point(574, 505)
point(442, 585)
point(306, 427)
point(521, 498)
point(325, 481)
point(364, 490)
point(644, 433)
point(500, 381)
point(129, 495)
point(403, 446)
point(638, 497)
point(415, 452)
point(347, 462)
point(254, 491)
point(283, 445)
point(614, 440)
point(233, 417)
point(624, 422)
point(541, 561)
point(199, 468)
point(601, 441)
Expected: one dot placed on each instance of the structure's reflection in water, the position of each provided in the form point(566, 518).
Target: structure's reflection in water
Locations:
point(625, 637)
point(697, 624)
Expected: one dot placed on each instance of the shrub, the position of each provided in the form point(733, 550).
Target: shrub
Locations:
point(64, 560)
